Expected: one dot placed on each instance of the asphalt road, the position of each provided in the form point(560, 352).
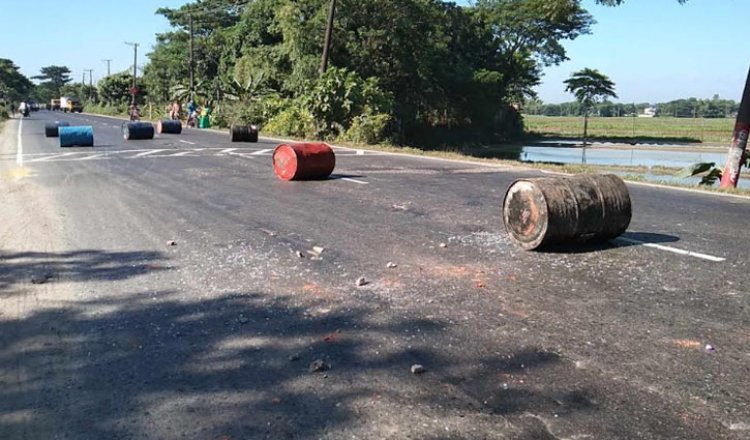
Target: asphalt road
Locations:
point(109, 332)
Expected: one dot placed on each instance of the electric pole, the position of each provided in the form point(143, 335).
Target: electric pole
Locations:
point(107, 61)
point(327, 43)
point(737, 149)
point(91, 81)
point(134, 90)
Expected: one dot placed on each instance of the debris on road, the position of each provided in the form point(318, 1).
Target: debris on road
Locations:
point(391, 265)
point(318, 249)
point(41, 279)
point(171, 243)
point(361, 281)
point(268, 232)
point(418, 369)
point(443, 245)
point(710, 348)
point(318, 366)
point(299, 254)
point(294, 358)
point(243, 319)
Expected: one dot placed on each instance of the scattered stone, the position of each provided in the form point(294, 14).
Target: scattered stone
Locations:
point(299, 254)
point(391, 265)
point(443, 245)
point(294, 358)
point(41, 279)
point(417, 369)
point(171, 243)
point(710, 348)
point(318, 249)
point(361, 281)
point(243, 319)
point(317, 366)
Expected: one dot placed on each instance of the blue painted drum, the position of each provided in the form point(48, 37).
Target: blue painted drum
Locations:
point(81, 136)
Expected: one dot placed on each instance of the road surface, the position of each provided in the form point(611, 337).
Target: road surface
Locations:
point(109, 331)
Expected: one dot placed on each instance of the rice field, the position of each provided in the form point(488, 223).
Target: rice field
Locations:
point(634, 129)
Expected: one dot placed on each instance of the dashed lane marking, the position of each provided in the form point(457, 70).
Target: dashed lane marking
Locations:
point(19, 147)
point(349, 179)
point(673, 250)
point(187, 142)
point(146, 153)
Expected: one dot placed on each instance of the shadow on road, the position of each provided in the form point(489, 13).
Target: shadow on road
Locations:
point(83, 265)
point(625, 240)
point(153, 365)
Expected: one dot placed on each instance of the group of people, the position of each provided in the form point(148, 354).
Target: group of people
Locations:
point(175, 113)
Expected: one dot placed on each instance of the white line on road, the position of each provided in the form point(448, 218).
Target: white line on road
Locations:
point(93, 156)
point(146, 153)
point(187, 142)
point(185, 153)
point(349, 179)
point(55, 156)
point(19, 149)
point(259, 152)
point(227, 150)
point(360, 152)
point(673, 250)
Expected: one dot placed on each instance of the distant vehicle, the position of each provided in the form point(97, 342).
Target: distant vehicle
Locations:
point(68, 104)
point(55, 105)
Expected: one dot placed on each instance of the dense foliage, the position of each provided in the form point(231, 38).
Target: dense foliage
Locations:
point(406, 70)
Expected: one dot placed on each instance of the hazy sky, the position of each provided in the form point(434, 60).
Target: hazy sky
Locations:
point(654, 50)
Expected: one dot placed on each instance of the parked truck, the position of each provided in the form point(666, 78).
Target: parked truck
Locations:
point(69, 104)
point(54, 105)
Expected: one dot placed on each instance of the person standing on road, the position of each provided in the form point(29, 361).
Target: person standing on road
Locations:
point(174, 111)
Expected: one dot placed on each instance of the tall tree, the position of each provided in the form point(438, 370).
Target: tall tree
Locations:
point(13, 85)
point(589, 87)
point(56, 76)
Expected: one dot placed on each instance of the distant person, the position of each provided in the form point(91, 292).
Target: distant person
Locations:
point(174, 111)
point(23, 108)
point(134, 112)
point(192, 114)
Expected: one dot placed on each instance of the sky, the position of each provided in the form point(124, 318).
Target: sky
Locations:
point(654, 50)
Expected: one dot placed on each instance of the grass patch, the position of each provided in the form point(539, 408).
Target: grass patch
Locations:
point(629, 130)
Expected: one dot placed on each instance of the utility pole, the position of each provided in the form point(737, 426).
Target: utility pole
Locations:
point(737, 149)
point(329, 31)
point(192, 64)
point(134, 90)
point(107, 61)
point(91, 81)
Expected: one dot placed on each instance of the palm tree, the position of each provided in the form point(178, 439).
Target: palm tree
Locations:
point(589, 87)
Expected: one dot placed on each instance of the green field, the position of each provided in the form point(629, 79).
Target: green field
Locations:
point(634, 129)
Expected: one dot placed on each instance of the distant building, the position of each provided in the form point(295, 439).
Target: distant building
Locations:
point(648, 112)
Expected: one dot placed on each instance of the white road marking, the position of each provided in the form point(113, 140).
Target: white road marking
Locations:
point(227, 150)
point(146, 153)
point(184, 153)
point(19, 148)
point(349, 179)
point(673, 250)
point(259, 152)
point(360, 152)
point(187, 142)
point(54, 156)
point(93, 156)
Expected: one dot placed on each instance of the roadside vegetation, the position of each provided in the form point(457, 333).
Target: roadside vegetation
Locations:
point(633, 129)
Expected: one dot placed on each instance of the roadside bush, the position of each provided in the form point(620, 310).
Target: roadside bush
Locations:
point(368, 129)
point(294, 121)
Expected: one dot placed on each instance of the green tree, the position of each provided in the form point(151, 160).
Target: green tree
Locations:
point(14, 86)
point(589, 87)
point(56, 76)
point(114, 90)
